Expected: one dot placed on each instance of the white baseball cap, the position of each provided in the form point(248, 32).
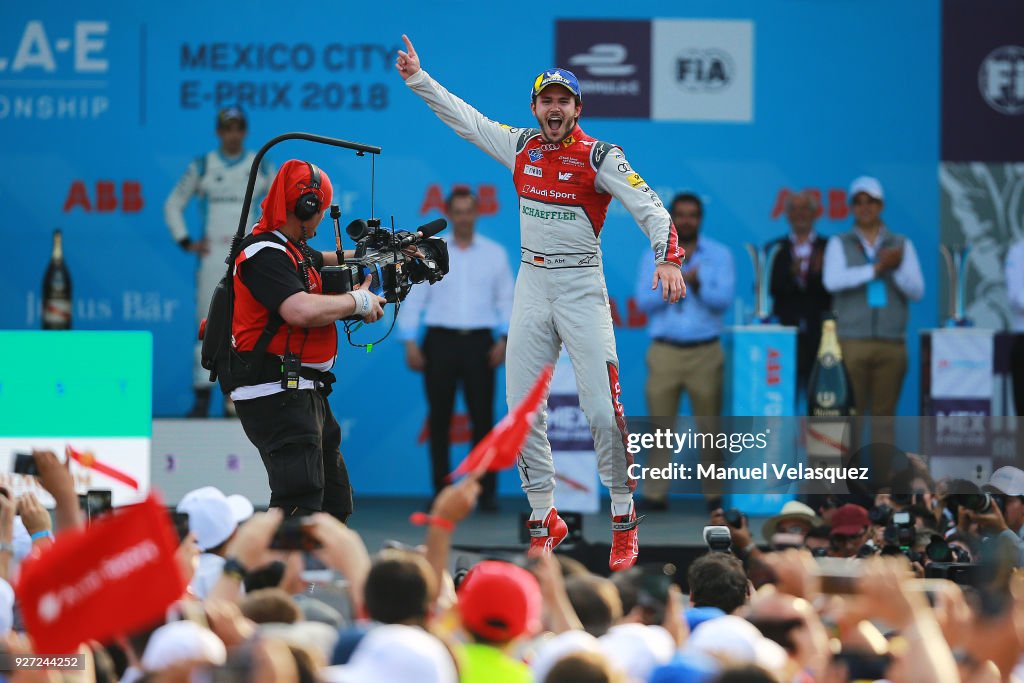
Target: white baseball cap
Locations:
point(736, 640)
point(637, 648)
point(182, 641)
point(212, 516)
point(1008, 481)
point(396, 653)
point(868, 185)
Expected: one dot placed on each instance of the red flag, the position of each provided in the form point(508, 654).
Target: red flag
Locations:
point(500, 448)
point(88, 460)
point(115, 576)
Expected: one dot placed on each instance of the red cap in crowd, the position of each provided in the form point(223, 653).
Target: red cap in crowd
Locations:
point(849, 520)
point(499, 601)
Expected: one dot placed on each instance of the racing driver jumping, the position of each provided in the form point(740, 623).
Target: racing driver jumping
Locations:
point(565, 180)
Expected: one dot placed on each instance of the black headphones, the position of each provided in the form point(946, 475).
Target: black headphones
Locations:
point(308, 204)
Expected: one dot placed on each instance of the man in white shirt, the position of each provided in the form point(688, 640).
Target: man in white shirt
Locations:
point(872, 274)
point(463, 313)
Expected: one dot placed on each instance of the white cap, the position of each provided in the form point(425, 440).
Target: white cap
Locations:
point(182, 641)
point(737, 641)
point(637, 649)
point(866, 184)
point(1008, 481)
point(562, 645)
point(396, 653)
point(793, 509)
point(212, 516)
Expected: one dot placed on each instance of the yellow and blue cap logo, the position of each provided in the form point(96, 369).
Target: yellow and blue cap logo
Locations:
point(562, 77)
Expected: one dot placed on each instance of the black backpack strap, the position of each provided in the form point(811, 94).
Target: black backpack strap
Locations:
point(274, 322)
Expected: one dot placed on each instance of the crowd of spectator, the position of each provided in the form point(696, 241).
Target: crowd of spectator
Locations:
point(770, 609)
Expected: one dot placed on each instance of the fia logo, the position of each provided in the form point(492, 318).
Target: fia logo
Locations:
point(704, 70)
point(1001, 79)
point(534, 171)
point(563, 176)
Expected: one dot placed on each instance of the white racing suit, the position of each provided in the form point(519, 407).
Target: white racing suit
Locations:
point(220, 184)
point(564, 190)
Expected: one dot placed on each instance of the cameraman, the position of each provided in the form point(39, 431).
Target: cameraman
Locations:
point(1000, 516)
point(283, 330)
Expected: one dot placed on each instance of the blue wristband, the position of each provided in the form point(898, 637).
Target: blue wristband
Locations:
point(45, 533)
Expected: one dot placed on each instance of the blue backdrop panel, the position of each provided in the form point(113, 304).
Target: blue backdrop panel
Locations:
point(103, 104)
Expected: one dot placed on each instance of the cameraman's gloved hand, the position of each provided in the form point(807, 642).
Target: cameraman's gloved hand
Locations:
point(369, 306)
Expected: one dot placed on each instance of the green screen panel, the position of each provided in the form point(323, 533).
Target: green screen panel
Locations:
point(76, 383)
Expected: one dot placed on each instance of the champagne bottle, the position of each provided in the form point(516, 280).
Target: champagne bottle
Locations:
point(829, 403)
point(57, 289)
point(829, 392)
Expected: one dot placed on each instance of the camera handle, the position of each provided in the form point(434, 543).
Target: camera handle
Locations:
point(335, 216)
point(359, 148)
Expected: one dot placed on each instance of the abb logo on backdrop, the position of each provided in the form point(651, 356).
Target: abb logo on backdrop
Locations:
point(486, 198)
point(773, 368)
point(105, 198)
point(833, 204)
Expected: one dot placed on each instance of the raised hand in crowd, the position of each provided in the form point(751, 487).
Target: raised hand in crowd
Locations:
point(743, 541)
point(559, 613)
point(343, 551)
point(885, 595)
point(794, 572)
point(36, 519)
point(951, 611)
point(675, 620)
point(248, 547)
point(452, 505)
point(55, 478)
point(991, 521)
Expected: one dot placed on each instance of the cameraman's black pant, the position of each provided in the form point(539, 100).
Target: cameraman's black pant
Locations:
point(299, 441)
point(454, 357)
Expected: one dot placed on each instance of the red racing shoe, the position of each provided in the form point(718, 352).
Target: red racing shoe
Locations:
point(625, 544)
point(546, 534)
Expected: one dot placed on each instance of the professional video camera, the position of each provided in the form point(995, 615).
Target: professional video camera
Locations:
point(900, 535)
point(395, 260)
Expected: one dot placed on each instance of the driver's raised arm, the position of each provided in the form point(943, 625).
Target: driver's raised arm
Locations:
point(499, 141)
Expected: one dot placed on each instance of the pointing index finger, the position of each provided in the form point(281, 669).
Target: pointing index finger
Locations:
point(408, 45)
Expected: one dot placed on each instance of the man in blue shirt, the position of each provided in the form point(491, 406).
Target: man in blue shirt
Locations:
point(685, 353)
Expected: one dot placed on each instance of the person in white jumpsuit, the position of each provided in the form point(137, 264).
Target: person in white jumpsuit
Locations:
point(565, 180)
point(218, 178)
